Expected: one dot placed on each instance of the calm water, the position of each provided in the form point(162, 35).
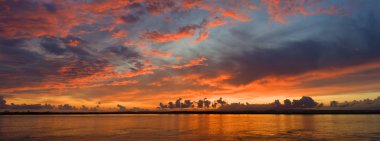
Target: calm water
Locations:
point(190, 127)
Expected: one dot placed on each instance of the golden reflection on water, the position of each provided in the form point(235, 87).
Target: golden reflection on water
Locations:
point(190, 127)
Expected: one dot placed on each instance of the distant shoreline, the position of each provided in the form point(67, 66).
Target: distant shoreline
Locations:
point(287, 112)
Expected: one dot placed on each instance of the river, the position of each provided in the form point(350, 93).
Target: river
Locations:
point(189, 127)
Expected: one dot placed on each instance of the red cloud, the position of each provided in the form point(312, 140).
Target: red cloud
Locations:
point(194, 62)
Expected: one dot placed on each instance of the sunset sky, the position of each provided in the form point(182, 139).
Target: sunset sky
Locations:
point(142, 52)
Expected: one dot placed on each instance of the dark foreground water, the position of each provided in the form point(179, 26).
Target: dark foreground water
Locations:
point(190, 127)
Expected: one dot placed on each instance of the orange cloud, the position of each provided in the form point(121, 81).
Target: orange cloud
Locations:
point(242, 17)
point(183, 32)
point(42, 86)
point(202, 36)
point(194, 62)
point(215, 22)
point(118, 83)
point(198, 79)
point(189, 4)
point(155, 52)
point(135, 43)
point(236, 10)
point(208, 84)
point(74, 43)
point(120, 34)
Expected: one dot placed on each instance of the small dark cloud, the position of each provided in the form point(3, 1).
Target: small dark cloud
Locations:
point(135, 6)
point(122, 51)
point(51, 45)
point(130, 19)
point(156, 7)
point(51, 7)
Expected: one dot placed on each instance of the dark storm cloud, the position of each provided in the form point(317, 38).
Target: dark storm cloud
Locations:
point(156, 7)
point(122, 51)
point(59, 46)
point(122, 55)
point(51, 45)
point(354, 43)
point(21, 67)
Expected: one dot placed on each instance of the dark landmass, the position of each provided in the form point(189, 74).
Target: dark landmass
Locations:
point(205, 112)
point(304, 105)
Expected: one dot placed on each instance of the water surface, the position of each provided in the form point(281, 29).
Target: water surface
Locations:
point(190, 127)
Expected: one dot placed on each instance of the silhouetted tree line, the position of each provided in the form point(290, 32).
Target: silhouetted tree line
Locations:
point(3, 103)
point(12, 106)
point(202, 103)
point(121, 107)
point(304, 102)
point(357, 103)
